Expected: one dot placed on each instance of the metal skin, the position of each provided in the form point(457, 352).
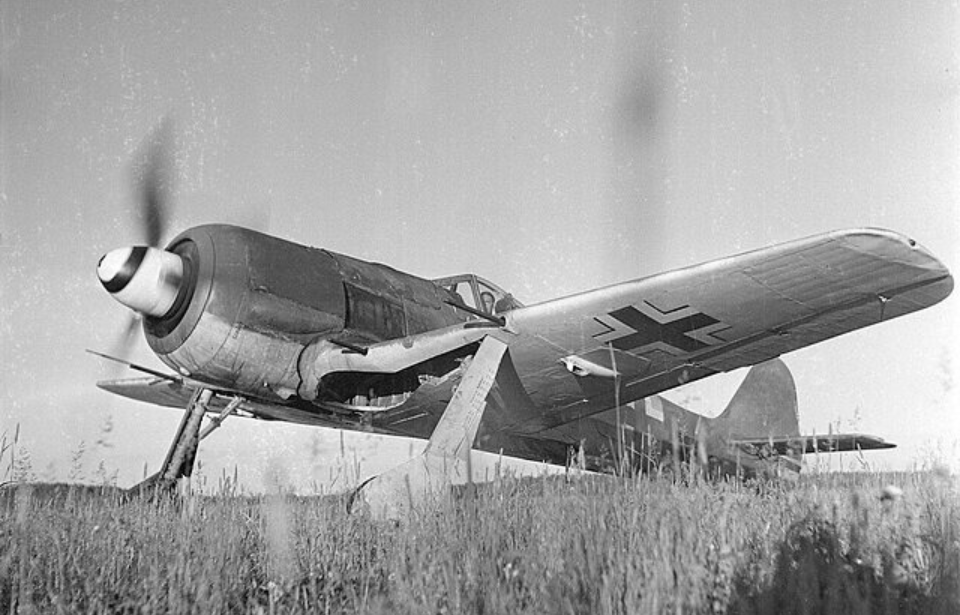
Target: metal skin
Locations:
point(253, 304)
point(311, 336)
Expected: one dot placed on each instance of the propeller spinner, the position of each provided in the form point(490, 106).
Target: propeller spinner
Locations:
point(146, 280)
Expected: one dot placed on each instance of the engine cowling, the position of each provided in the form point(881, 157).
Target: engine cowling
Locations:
point(236, 309)
point(252, 302)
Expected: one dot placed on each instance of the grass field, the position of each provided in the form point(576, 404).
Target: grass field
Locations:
point(827, 544)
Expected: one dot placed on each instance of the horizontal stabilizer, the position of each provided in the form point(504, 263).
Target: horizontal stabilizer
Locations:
point(836, 443)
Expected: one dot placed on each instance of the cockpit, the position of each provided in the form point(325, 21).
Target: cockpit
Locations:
point(475, 292)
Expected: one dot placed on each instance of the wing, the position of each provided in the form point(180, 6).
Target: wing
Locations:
point(157, 391)
point(170, 394)
point(659, 332)
point(836, 443)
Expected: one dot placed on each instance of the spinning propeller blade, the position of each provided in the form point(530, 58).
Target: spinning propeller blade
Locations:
point(154, 179)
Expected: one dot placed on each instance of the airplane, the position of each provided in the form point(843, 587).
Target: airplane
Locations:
point(255, 325)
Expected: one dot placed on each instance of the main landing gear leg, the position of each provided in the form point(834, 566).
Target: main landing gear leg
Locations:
point(446, 458)
point(183, 451)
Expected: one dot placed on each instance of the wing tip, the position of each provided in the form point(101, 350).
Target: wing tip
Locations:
point(888, 243)
point(892, 245)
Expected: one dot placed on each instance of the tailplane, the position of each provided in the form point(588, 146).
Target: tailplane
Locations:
point(759, 431)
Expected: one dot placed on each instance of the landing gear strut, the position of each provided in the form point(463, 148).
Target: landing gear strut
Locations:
point(182, 454)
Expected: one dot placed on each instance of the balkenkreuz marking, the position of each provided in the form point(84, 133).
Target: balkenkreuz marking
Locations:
point(681, 330)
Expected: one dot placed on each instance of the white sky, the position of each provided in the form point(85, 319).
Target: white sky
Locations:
point(549, 146)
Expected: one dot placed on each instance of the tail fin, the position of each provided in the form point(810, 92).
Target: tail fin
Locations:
point(765, 405)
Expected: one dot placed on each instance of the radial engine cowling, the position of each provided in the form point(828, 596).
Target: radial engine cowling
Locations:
point(230, 306)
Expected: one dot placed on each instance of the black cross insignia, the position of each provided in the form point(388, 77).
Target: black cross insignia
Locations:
point(647, 330)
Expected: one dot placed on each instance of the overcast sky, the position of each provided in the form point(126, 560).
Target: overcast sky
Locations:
point(549, 146)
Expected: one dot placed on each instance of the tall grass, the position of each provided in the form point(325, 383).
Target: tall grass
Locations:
point(827, 544)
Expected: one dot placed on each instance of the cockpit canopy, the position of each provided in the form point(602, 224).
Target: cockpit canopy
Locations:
point(475, 292)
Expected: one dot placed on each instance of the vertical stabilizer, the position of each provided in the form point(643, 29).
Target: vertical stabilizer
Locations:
point(764, 406)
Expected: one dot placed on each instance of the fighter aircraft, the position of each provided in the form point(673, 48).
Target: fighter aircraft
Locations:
point(255, 325)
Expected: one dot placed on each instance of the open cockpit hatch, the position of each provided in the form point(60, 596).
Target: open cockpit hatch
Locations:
point(480, 294)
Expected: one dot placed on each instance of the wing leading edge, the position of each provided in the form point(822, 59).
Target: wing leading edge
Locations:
point(168, 394)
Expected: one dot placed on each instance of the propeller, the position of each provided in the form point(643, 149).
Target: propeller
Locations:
point(127, 338)
point(146, 278)
point(154, 179)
